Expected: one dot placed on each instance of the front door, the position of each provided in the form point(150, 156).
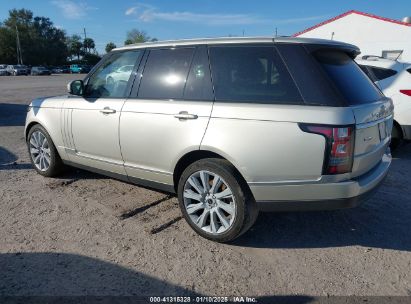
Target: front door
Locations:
point(94, 117)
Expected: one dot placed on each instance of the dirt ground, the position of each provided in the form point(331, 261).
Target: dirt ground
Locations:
point(85, 234)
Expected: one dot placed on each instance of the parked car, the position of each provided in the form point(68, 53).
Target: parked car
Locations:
point(121, 74)
point(234, 126)
point(78, 68)
point(57, 70)
point(3, 70)
point(17, 69)
point(65, 69)
point(394, 79)
point(40, 70)
point(75, 68)
point(86, 68)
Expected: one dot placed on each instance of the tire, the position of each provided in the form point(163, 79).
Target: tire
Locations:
point(47, 152)
point(239, 210)
point(396, 139)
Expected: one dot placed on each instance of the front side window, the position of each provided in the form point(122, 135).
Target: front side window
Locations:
point(111, 78)
point(165, 73)
point(251, 74)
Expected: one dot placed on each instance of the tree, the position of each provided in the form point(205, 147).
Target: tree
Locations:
point(137, 36)
point(41, 42)
point(110, 46)
point(88, 45)
point(91, 59)
point(75, 46)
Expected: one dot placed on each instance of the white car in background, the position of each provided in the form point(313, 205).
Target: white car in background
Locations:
point(394, 80)
point(120, 74)
point(3, 70)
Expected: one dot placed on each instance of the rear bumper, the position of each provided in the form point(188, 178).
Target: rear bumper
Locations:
point(320, 195)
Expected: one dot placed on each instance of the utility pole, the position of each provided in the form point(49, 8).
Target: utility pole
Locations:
point(243, 32)
point(85, 37)
point(276, 34)
point(19, 54)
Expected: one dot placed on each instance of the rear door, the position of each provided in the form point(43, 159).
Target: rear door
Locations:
point(372, 110)
point(168, 115)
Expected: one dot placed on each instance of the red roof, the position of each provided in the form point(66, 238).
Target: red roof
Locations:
point(349, 13)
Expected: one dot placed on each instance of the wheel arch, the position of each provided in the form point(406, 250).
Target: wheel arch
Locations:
point(193, 156)
point(28, 128)
point(34, 123)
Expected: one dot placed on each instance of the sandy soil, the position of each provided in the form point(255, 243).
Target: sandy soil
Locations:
point(85, 234)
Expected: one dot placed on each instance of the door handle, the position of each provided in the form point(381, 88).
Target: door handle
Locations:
point(183, 115)
point(107, 110)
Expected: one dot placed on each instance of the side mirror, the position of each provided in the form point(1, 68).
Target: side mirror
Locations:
point(76, 87)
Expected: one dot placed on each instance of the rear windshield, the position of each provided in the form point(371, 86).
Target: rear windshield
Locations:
point(348, 77)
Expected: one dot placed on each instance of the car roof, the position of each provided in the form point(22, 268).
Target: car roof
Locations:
point(239, 40)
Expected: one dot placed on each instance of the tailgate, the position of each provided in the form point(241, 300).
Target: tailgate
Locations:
point(374, 123)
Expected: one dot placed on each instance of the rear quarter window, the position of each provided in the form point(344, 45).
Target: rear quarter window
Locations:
point(252, 74)
point(347, 76)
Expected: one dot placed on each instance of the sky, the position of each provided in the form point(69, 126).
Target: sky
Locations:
point(109, 20)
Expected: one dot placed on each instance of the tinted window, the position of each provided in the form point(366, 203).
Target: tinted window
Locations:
point(111, 78)
point(381, 73)
point(366, 71)
point(251, 74)
point(199, 85)
point(313, 85)
point(348, 77)
point(165, 73)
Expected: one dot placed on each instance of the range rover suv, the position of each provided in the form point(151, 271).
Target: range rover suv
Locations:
point(234, 126)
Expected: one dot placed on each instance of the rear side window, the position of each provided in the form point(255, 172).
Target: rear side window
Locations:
point(251, 74)
point(198, 86)
point(381, 73)
point(165, 73)
point(348, 77)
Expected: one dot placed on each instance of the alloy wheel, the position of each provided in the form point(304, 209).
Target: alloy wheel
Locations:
point(40, 151)
point(209, 202)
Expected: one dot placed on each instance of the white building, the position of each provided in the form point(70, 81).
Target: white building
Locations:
point(374, 35)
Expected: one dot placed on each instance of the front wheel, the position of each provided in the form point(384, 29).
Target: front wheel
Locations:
point(215, 201)
point(43, 154)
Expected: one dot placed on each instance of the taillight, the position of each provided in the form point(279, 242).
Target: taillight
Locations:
point(406, 92)
point(339, 150)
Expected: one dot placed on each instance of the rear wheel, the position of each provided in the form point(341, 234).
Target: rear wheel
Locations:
point(396, 138)
point(43, 153)
point(215, 201)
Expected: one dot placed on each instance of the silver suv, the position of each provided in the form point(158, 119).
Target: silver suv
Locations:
point(233, 126)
